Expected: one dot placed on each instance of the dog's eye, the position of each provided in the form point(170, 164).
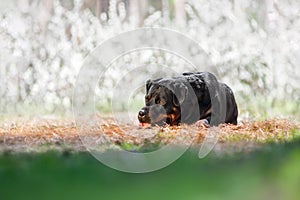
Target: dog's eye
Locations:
point(161, 102)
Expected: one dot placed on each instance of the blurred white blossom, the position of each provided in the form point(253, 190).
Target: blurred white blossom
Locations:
point(254, 46)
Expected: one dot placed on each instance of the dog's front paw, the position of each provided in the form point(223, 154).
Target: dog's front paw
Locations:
point(202, 123)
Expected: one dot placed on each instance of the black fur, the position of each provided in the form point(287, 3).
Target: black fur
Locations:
point(188, 98)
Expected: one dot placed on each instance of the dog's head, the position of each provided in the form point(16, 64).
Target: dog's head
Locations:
point(163, 100)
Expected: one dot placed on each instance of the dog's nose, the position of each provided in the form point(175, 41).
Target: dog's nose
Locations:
point(142, 113)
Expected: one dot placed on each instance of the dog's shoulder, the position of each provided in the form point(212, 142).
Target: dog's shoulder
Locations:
point(195, 79)
point(196, 76)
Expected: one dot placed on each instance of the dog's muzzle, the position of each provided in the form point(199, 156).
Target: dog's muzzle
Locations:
point(143, 115)
point(155, 114)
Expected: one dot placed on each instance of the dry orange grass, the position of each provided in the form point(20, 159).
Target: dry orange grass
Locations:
point(42, 135)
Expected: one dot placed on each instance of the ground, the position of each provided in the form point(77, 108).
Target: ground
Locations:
point(39, 135)
point(47, 159)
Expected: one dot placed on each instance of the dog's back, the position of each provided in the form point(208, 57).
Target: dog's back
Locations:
point(200, 82)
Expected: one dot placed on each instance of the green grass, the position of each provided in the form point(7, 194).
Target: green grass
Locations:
point(269, 173)
point(262, 107)
point(146, 146)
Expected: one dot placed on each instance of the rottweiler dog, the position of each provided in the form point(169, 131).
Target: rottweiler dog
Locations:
point(188, 98)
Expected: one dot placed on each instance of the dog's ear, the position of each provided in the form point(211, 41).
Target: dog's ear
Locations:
point(148, 85)
point(179, 93)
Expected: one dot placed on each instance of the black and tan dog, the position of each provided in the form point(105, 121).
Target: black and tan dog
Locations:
point(191, 97)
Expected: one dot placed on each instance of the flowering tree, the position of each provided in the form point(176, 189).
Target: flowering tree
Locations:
point(253, 46)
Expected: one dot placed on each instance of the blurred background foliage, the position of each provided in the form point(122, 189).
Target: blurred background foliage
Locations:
point(253, 47)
